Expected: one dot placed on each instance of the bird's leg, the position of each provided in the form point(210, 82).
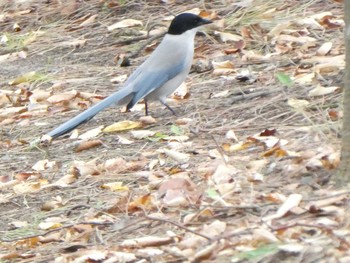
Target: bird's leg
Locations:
point(166, 105)
point(146, 107)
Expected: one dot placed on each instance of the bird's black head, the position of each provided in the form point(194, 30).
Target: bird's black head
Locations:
point(186, 21)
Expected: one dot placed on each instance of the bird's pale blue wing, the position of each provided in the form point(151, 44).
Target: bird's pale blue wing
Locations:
point(148, 81)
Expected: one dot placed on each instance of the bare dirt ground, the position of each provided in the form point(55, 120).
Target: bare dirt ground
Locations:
point(264, 194)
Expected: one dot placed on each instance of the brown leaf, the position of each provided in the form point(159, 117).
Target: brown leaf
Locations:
point(142, 202)
point(63, 97)
point(268, 132)
point(147, 241)
point(26, 175)
point(330, 22)
point(87, 145)
point(85, 168)
point(11, 111)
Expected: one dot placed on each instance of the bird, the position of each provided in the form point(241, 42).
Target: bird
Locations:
point(156, 78)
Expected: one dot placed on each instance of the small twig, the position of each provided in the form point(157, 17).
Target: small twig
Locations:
point(327, 197)
point(229, 235)
point(283, 227)
point(252, 96)
point(58, 229)
point(219, 149)
point(178, 225)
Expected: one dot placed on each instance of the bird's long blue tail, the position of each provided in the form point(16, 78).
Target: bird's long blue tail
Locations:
point(120, 97)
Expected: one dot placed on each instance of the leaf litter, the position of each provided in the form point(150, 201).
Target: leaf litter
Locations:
point(244, 172)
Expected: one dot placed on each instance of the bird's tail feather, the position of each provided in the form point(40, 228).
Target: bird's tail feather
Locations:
point(121, 97)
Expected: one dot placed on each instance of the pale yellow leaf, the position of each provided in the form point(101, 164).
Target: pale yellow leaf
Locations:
point(298, 104)
point(320, 90)
point(91, 133)
point(304, 78)
point(122, 126)
point(228, 37)
point(125, 23)
point(140, 134)
point(49, 225)
point(27, 188)
point(115, 186)
point(123, 140)
point(221, 94)
point(27, 77)
point(66, 180)
point(176, 156)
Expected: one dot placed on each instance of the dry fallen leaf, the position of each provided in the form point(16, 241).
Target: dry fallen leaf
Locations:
point(91, 133)
point(122, 126)
point(115, 186)
point(86, 145)
point(125, 23)
point(148, 241)
point(321, 91)
point(27, 187)
point(228, 37)
point(141, 134)
point(11, 111)
point(176, 156)
point(63, 97)
point(292, 201)
point(65, 180)
point(298, 104)
point(89, 21)
point(324, 49)
point(42, 165)
point(27, 77)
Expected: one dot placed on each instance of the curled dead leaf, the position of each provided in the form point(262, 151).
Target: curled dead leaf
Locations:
point(176, 156)
point(83, 146)
point(147, 241)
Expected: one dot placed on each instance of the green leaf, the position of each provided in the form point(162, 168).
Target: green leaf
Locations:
point(157, 137)
point(258, 253)
point(176, 130)
point(284, 79)
point(212, 193)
